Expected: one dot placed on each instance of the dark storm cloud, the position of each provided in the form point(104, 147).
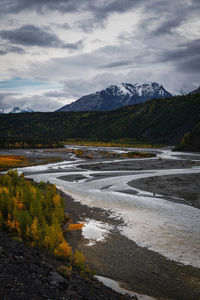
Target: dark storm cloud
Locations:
point(167, 26)
point(8, 49)
point(73, 46)
point(183, 51)
point(30, 35)
point(166, 16)
point(192, 65)
point(41, 6)
point(105, 8)
point(186, 57)
point(117, 64)
point(100, 9)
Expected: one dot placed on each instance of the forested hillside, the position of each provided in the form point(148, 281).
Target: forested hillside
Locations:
point(191, 140)
point(155, 121)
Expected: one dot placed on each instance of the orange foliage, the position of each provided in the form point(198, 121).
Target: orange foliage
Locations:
point(73, 227)
point(11, 160)
point(78, 152)
point(34, 229)
point(63, 249)
point(4, 189)
point(11, 224)
point(18, 204)
point(56, 199)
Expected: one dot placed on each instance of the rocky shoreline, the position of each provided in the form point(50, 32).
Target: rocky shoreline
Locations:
point(27, 273)
point(137, 268)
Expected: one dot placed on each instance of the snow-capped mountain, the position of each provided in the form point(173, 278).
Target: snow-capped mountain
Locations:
point(15, 110)
point(196, 91)
point(115, 96)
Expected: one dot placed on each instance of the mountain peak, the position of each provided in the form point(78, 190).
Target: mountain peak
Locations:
point(115, 96)
point(196, 91)
point(16, 109)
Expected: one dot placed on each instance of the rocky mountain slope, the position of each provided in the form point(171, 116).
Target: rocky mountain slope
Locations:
point(196, 91)
point(116, 96)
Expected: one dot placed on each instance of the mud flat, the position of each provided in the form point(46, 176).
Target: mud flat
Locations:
point(137, 268)
point(184, 187)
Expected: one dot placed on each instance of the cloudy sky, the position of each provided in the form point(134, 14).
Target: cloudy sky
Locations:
point(53, 52)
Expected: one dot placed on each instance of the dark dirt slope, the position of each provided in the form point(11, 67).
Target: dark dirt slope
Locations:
point(26, 273)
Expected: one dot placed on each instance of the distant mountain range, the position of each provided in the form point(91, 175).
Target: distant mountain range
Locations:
point(112, 97)
point(196, 91)
point(156, 121)
point(116, 96)
point(15, 110)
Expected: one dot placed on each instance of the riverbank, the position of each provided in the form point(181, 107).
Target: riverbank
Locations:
point(139, 269)
point(104, 183)
point(180, 188)
point(27, 273)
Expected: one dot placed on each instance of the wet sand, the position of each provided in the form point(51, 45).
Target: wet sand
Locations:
point(186, 187)
point(140, 269)
point(143, 164)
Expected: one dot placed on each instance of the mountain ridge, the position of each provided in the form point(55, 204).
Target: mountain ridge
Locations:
point(156, 121)
point(116, 96)
point(16, 110)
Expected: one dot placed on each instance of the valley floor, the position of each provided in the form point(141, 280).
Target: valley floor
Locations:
point(141, 217)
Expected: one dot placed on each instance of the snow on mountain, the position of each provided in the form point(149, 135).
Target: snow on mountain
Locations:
point(15, 110)
point(115, 96)
point(196, 91)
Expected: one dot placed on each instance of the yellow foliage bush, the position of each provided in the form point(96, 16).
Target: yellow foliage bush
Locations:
point(79, 152)
point(63, 250)
point(35, 212)
point(79, 261)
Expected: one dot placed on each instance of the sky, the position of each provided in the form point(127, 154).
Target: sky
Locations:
point(54, 52)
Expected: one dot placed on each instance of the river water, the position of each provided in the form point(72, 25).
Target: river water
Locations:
point(169, 228)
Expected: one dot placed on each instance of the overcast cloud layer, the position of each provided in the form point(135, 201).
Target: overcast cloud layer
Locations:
point(53, 52)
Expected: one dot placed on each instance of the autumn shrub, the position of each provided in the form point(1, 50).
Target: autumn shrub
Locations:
point(72, 227)
point(35, 213)
point(65, 271)
point(79, 262)
point(79, 152)
point(138, 154)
